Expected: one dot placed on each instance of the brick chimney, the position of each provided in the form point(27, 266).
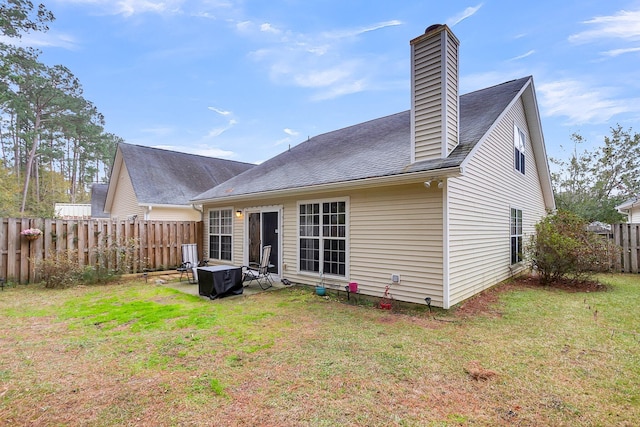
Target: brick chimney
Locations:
point(434, 94)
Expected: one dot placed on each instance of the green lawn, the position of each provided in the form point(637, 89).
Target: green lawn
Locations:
point(142, 354)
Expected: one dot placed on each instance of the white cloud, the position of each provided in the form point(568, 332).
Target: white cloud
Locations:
point(358, 31)
point(322, 78)
point(341, 90)
point(133, 7)
point(617, 52)
point(321, 61)
point(581, 104)
point(622, 25)
point(42, 40)
point(158, 131)
point(221, 112)
point(220, 130)
point(201, 150)
point(211, 152)
point(268, 28)
point(531, 52)
point(472, 82)
point(244, 26)
point(290, 133)
point(468, 12)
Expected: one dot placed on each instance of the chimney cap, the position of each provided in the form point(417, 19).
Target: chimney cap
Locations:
point(432, 28)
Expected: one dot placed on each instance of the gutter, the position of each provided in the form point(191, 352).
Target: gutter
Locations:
point(365, 183)
point(150, 206)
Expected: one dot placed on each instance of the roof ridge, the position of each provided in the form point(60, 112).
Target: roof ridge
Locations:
point(496, 85)
point(182, 153)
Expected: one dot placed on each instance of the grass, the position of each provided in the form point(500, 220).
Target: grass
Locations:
point(140, 354)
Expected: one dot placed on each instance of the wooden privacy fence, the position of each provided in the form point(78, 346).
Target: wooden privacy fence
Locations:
point(129, 246)
point(628, 237)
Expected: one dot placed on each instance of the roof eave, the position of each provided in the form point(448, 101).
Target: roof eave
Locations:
point(358, 184)
point(160, 205)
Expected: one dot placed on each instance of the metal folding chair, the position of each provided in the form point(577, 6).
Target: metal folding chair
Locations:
point(259, 272)
point(189, 262)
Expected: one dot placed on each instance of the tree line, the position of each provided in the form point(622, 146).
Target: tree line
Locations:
point(591, 183)
point(53, 144)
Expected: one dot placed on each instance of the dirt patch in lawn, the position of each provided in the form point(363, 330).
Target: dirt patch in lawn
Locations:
point(485, 303)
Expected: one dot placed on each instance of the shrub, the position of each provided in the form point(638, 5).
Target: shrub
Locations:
point(62, 269)
point(59, 269)
point(562, 248)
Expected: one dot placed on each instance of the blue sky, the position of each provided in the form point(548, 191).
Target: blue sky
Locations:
point(244, 80)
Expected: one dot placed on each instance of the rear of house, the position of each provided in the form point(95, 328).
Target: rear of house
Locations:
point(441, 196)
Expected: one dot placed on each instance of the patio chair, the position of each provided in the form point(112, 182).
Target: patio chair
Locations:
point(259, 272)
point(190, 263)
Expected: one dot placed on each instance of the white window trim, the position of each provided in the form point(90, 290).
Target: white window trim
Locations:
point(347, 238)
point(517, 132)
point(207, 246)
point(522, 235)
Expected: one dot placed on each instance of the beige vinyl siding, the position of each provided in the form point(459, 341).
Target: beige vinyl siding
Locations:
point(452, 98)
point(391, 230)
point(634, 214)
point(479, 209)
point(125, 203)
point(398, 230)
point(427, 102)
point(435, 95)
point(160, 213)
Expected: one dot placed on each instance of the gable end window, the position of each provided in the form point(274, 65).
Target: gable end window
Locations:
point(519, 149)
point(323, 237)
point(516, 235)
point(220, 234)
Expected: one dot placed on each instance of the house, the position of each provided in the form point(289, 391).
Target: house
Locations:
point(98, 198)
point(631, 208)
point(435, 202)
point(154, 184)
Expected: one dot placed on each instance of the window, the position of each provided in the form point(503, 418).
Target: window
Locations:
point(519, 148)
point(323, 237)
point(516, 235)
point(220, 234)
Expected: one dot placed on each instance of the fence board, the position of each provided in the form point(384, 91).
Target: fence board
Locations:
point(134, 245)
point(627, 236)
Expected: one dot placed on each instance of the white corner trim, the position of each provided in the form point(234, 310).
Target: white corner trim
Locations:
point(446, 292)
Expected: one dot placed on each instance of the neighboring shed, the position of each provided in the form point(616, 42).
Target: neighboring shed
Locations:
point(72, 210)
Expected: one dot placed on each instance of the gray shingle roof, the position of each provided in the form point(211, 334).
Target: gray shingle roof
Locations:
point(376, 148)
point(163, 177)
point(98, 198)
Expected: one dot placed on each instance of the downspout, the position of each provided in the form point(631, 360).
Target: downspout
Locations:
point(195, 208)
point(201, 238)
point(446, 297)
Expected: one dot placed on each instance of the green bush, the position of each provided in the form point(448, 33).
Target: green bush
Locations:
point(63, 269)
point(562, 248)
point(60, 269)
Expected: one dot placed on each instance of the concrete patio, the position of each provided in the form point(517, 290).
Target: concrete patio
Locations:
point(172, 281)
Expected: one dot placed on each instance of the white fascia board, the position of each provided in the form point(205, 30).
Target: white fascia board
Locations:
point(150, 206)
point(347, 185)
